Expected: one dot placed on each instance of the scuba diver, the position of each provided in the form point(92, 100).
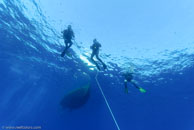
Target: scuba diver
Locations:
point(68, 36)
point(95, 52)
point(129, 78)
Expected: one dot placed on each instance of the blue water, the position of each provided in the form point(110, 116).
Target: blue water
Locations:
point(34, 79)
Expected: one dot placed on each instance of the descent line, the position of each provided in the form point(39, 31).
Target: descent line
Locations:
point(107, 102)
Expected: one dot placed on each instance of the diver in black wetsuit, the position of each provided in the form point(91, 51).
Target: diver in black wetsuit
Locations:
point(68, 36)
point(95, 52)
point(129, 78)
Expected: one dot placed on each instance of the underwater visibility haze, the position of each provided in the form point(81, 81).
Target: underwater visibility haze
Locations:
point(152, 39)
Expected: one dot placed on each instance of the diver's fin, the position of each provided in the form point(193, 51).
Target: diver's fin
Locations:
point(142, 90)
point(66, 52)
point(98, 67)
point(63, 53)
point(104, 66)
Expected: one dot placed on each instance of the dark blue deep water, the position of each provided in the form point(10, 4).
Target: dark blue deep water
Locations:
point(34, 79)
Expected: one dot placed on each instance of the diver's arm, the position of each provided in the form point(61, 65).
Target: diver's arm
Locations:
point(100, 45)
point(61, 37)
point(73, 35)
point(92, 46)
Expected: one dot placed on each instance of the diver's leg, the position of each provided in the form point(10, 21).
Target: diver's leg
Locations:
point(68, 44)
point(64, 51)
point(104, 65)
point(140, 89)
point(135, 84)
point(92, 56)
point(126, 88)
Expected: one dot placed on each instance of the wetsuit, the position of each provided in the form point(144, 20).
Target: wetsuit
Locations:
point(95, 52)
point(68, 35)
